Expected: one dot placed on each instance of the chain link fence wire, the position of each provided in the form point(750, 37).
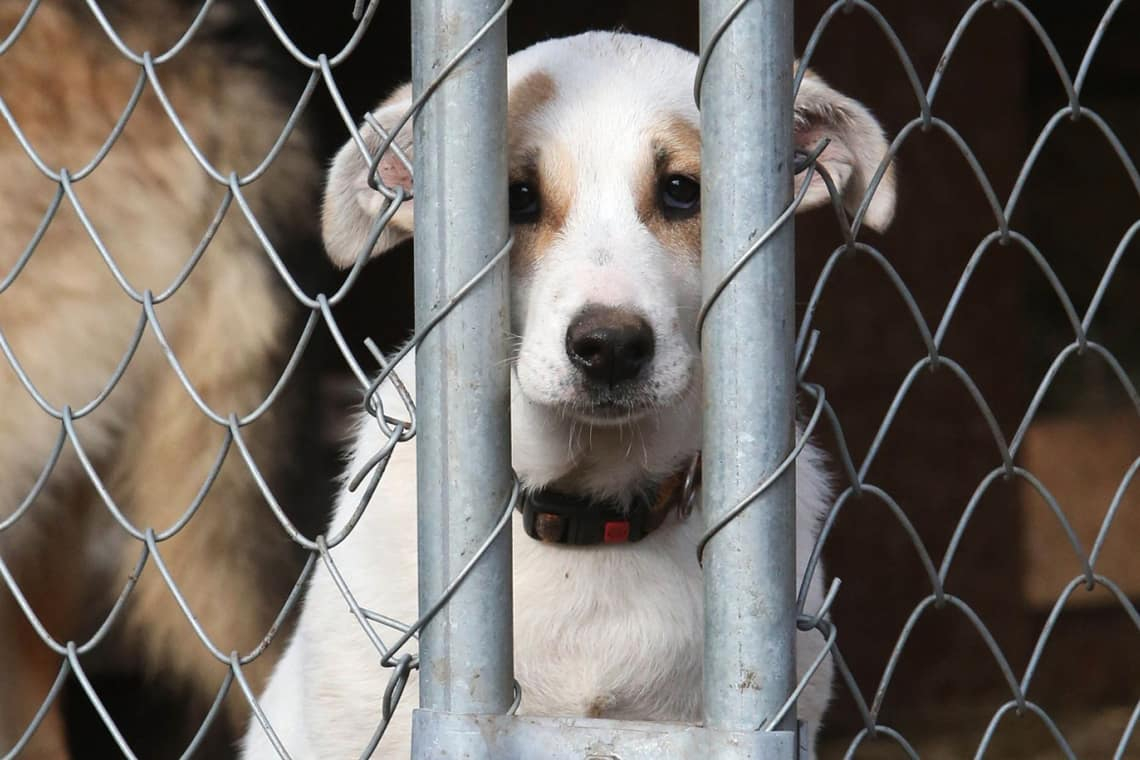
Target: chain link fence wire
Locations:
point(857, 482)
point(389, 637)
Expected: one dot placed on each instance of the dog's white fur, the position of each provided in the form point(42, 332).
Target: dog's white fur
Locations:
point(612, 631)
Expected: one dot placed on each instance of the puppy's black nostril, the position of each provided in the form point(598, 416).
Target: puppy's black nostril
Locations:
point(609, 345)
point(640, 348)
point(591, 348)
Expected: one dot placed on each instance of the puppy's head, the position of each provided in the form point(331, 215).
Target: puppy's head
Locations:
point(605, 205)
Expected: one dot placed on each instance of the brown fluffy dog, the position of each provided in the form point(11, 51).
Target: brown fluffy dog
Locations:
point(69, 323)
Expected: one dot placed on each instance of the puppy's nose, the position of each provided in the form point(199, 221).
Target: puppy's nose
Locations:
point(609, 344)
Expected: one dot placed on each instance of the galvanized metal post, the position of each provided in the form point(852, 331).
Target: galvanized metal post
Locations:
point(462, 377)
point(749, 379)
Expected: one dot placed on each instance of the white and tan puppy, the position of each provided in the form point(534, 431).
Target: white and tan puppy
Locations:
point(605, 204)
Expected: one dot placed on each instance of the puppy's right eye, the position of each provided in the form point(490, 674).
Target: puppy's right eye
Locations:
point(523, 202)
point(680, 196)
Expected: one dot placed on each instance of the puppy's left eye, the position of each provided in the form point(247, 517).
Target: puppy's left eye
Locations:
point(680, 196)
point(522, 198)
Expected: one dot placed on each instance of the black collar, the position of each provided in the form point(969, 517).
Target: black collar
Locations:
point(557, 517)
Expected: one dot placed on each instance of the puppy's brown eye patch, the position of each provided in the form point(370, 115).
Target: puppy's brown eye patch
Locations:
point(539, 197)
point(523, 201)
point(669, 187)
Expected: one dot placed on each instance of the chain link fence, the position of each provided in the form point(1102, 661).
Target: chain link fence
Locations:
point(389, 637)
point(938, 562)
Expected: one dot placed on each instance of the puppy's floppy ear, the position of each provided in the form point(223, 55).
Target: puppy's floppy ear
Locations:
point(350, 205)
point(852, 157)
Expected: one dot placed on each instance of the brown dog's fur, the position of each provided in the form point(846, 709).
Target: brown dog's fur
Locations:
point(69, 323)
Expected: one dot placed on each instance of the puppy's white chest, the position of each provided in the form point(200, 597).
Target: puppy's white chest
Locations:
point(610, 631)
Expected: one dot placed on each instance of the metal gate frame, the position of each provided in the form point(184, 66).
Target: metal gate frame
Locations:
point(744, 88)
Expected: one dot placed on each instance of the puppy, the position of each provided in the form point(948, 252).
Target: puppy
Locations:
point(604, 156)
point(68, 323)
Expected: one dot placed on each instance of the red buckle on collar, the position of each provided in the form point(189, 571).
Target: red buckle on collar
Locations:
point(616, 532)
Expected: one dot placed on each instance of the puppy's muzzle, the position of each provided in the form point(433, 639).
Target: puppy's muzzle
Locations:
point(609, 345)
